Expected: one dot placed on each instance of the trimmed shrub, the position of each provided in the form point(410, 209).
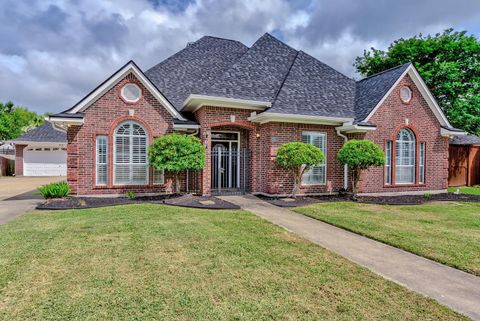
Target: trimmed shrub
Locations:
point(55, 190)
point(298, 158)
point(359, 155)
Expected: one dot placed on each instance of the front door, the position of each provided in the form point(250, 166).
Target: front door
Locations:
point(225, 161)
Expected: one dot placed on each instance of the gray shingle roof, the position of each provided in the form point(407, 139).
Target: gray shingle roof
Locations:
point(372, 89)
point(45, 133)
point(258, 74)
point(194, 69)
point(271, 71)
point(465, 140)
point(315, 89)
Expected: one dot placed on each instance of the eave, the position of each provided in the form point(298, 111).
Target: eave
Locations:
point(450, 132)
point(267, 117)
point(351, 129)
point(195, 102)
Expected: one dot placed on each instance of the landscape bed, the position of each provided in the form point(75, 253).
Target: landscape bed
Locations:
point(189, 200)
point(148, 261)
point(384, 200)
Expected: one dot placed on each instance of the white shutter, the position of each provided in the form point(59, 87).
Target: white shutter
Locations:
point(102, 161)
point(316, 174)
point(130, 159)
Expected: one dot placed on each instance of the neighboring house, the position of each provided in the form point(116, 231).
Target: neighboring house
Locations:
point(41, 151)
point(464, 161)
point(243, 103)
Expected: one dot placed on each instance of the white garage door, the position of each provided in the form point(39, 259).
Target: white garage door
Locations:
point(45, 162)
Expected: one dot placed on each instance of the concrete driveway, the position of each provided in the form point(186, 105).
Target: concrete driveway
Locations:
point(18, 195)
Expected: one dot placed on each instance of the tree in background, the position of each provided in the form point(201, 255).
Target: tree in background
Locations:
point(448, 62)
point(359, 155)
point(14, 120)
point(177, 153)
point(298, 158)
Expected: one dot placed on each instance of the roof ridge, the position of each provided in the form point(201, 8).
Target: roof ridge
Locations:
point(334, 69)
point(385, 71)
point(190, 44)
point(221, 38)
point(285, 78)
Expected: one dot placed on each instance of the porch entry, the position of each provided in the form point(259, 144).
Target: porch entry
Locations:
point(228, 163)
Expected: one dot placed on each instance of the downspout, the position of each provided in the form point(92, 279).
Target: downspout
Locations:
point(345, 167)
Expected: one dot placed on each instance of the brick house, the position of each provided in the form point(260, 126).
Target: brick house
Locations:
point(243, 103)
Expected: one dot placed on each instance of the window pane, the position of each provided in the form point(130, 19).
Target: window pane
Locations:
point(316, 174)
point(388, 163)
point(158, 176)
point(131, 163)
point(421, 168)
point(405, 157)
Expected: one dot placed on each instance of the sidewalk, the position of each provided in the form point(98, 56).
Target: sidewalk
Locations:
point(456, 289)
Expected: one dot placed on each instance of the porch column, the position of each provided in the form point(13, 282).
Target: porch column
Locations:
point(206, 183)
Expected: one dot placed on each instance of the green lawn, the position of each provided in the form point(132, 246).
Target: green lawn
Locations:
point(446, 232)
point(475, 190)
point(145, 262)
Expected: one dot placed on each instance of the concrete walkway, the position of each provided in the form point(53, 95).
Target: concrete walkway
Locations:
point(456, 289)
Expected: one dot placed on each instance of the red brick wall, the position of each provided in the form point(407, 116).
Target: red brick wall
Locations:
point(218, 118)
point(390, 118)
point(277, 180)
point(101, 118)
point(19, 159)
point(264, 175)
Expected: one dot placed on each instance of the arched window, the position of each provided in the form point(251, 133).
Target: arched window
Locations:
point(130, 162)
point(405, 157)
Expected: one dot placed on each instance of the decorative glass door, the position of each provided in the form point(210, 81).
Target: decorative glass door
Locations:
point(225, 161)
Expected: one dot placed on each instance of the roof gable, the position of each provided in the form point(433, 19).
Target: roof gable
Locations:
point(130, 67)
point(368, 87)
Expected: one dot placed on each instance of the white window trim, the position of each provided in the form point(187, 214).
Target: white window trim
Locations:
point(97, 162)
point(115, 183)
point(388, 162)
point(324, 165)
point(421, 163)
point(122, 92)
point(414, 166)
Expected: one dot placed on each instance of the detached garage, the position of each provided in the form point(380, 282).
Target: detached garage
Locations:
point(41, 151)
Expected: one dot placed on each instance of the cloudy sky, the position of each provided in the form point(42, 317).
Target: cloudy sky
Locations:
point(52, 52)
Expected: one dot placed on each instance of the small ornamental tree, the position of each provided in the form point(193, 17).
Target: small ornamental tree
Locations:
point(298, 158)
point(359, 155)
point(177, 153)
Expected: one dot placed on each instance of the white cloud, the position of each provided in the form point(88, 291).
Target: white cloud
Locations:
point(53, 52)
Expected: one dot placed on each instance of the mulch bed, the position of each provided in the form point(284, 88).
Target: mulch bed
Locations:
point(170, 199)
point(304, 200)
point(210, 202)
point(382, 200)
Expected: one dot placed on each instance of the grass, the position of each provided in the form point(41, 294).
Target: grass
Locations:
point(445, 232)
point(475, 190)
point(146, 262)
